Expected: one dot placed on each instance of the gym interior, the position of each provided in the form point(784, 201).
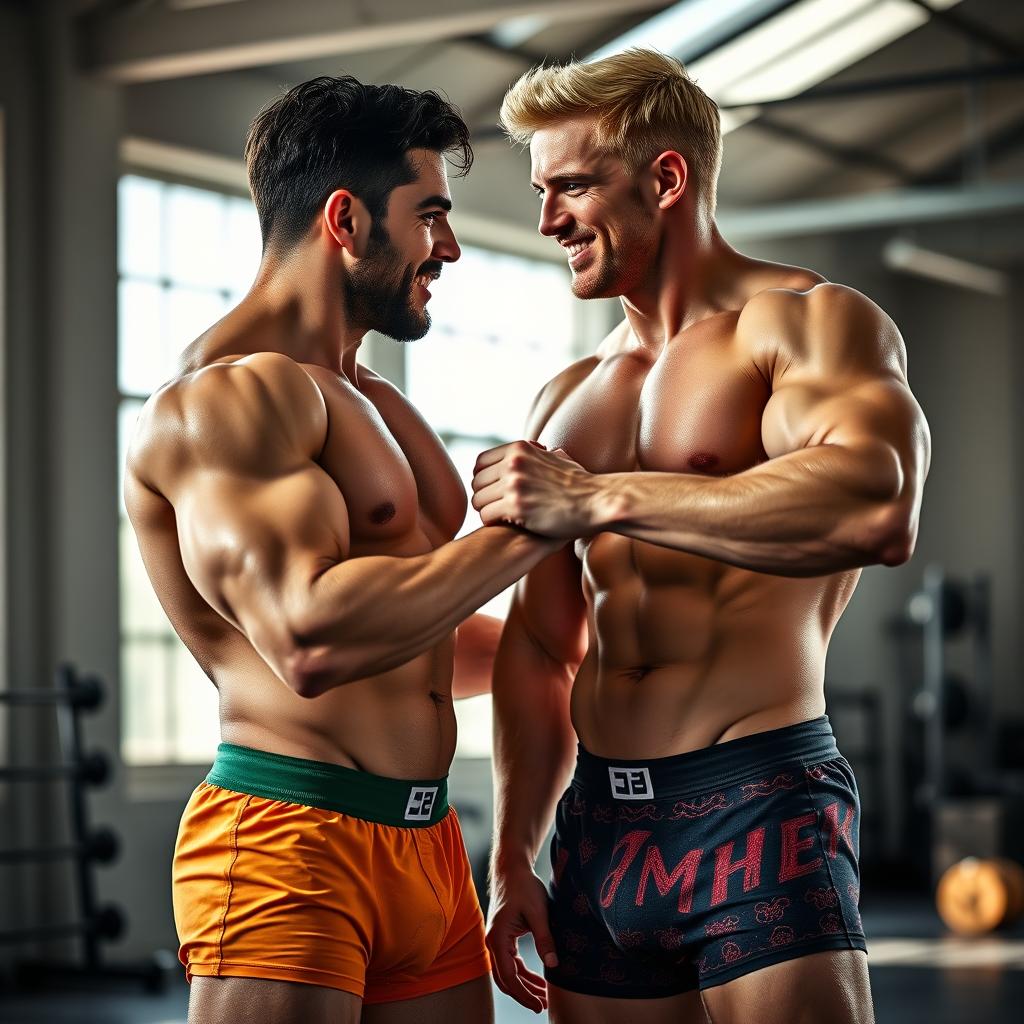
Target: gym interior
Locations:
point(878, 142)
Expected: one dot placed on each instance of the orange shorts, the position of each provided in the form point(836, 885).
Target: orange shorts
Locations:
point(298, 890)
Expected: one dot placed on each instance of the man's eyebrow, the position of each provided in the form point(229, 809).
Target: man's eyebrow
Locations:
point(557, 179)
point(443, 201)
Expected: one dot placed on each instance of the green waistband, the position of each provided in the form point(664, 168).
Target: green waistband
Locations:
point(403, 802)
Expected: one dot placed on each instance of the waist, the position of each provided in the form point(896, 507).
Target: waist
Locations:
point(333, 787)
point(723, 764)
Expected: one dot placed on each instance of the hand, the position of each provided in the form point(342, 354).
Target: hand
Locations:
point(543, 491)
point(520, 905)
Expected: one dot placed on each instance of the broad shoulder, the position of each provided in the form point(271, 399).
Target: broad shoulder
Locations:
point(558, 389)
point(826, 328)
point(555, 392)
point(247, 413)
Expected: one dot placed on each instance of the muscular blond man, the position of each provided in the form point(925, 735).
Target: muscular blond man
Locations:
point(734, 453)
point(296, 516)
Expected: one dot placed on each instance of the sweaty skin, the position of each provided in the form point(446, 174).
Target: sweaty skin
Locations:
point(296, 514)
point(733, 454)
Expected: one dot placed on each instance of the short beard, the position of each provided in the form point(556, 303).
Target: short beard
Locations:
point(379, 294)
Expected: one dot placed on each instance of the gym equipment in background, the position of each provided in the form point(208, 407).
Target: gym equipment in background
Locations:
point(78, 769)
point(961, 800)
point(975, 896)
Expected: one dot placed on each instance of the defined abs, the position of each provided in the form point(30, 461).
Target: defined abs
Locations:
point(650, 607)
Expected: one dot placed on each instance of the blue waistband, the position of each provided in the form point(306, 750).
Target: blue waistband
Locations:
point(723, 764)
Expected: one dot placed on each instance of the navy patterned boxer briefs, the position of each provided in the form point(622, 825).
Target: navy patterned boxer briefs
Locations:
point(686, 872)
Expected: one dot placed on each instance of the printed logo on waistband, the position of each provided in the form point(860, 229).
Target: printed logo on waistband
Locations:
point(631, 783)
point(421, 803)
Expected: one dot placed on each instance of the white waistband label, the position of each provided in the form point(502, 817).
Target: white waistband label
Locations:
point(631, 783)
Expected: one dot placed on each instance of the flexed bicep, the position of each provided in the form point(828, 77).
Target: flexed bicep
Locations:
point(231, 449)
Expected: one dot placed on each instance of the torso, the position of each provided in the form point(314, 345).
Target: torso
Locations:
point(404, 498)
point(685, 651)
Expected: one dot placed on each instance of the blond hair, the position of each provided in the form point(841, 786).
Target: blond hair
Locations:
point(645, 102)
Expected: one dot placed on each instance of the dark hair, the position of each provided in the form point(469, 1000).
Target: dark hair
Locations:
point(332, 133)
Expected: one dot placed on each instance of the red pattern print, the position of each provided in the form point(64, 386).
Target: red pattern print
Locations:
point(766, 913)
point(725, 926)
point(699, 808)
point(603, 813)
point(830, 924)
point(853, 892)
point(578, 806)
point(817, 773)
point(630, 938)
point(781, 936)
point(574, 942)
point(630, 815)
point(587, 849)
point(822, 898)
point(730, 952)
point(766, 787)
point(670, 938)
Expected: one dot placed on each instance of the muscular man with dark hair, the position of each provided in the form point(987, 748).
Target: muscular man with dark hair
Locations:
point(296, 516)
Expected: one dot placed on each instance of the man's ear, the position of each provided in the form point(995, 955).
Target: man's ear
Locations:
point(347, 221)
point(671, 176)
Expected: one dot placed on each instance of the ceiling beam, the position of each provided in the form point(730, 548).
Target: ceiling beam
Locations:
point(840, 153)
point(880, 209)
point(940, 79)
point(138, 45)
point(970, 28)
point(994, 146)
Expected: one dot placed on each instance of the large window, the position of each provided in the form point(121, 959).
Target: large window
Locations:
point(502, 326)
point(186, 256)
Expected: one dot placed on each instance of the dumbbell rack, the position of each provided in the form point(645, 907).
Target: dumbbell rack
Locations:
point(71, 697)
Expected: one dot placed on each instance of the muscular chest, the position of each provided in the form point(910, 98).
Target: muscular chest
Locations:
point(695, 409)
point(402, 491)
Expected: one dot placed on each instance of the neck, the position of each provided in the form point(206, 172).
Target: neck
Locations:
point(302, 293)
point(687, 282)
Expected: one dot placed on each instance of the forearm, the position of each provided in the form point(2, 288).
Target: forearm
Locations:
point(534, 747)
point(367, 615)
point(812, 512)
point(475, 648)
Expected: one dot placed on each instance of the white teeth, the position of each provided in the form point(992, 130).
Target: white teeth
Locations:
point(577, 247)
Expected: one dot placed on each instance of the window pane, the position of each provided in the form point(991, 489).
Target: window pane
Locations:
point(187, 314)
point(484, 332)
point(196, 721)
point(181, 251)
point(144, 683)
point(140, 337)
point(502, 327)
point(244, 245)
point(140, 610)
point(196, 237)
point(127, 414)
point(139, 226)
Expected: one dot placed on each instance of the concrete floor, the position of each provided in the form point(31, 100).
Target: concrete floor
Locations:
point(919, 975)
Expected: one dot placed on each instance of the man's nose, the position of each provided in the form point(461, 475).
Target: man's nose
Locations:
point(446, 246)
point(554, 218)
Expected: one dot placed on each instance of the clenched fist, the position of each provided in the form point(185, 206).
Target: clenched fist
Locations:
point(543, 491)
